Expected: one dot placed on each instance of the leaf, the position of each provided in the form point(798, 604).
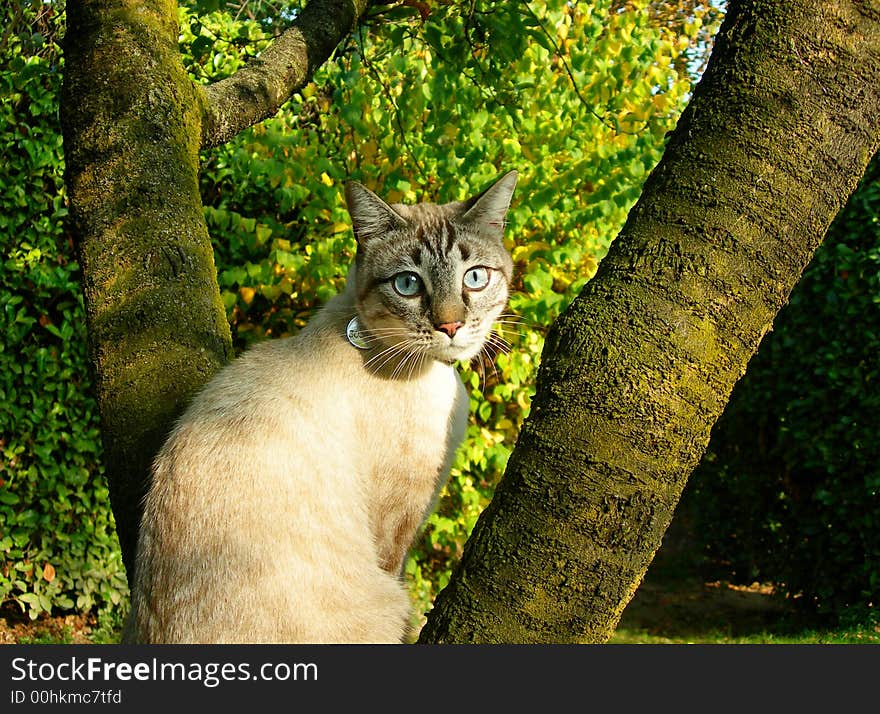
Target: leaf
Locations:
point(201, 46)
point(263, 233)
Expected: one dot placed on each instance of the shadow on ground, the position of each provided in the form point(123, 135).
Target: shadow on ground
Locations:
point(692, 610)
point(675, 603)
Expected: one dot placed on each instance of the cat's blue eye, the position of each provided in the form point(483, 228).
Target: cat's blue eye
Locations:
point(476, 278)
point(407, 284)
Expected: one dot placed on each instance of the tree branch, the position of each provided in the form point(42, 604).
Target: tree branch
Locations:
point(258, 89)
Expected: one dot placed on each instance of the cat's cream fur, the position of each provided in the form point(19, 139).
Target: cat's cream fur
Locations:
point(286, 497)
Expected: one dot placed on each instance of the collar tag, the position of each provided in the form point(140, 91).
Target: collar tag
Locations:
point(355, 335)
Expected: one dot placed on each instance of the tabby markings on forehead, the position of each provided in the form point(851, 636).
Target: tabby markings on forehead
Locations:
point(437, 236)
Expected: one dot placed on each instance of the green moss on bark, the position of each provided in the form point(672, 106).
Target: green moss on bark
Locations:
point(640, 366)
point(157, 327)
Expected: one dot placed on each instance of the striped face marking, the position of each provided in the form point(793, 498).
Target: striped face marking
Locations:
point(431, 279)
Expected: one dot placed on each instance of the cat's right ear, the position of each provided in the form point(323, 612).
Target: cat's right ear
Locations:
point(371, 217)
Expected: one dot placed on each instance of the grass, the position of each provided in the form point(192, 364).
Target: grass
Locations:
point(687, 610)
point(48, 637)
point(623, 636)
point(672, 606)
point(858, 636)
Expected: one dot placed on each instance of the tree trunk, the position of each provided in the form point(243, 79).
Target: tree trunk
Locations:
point(157, 329)
point(133, 125)
point(640, 366)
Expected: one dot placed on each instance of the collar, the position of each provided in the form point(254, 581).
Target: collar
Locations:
point(360, 338)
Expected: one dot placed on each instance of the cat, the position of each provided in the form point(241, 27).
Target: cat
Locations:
point(286, 497)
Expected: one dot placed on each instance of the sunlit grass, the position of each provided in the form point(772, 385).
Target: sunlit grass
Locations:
point(807, 637)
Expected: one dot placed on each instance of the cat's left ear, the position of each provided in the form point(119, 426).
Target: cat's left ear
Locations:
point(371, 217)
point(489, 210)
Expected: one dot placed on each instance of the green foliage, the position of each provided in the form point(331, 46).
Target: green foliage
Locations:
point(789, 490)
point(57, 536)
point(577, 99)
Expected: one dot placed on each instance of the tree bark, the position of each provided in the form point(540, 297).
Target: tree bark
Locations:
point(133, 124)
point(258, 90)
point(640, 366)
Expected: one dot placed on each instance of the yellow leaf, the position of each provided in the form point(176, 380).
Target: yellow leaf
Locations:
point(368, 150)
point(247, 294)
point(326, 180)
point(523, 253)
point(48, 572)
point(590, 266)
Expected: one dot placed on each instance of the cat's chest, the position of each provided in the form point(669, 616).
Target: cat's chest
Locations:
point(413, 419)
point(408, 455)
point(408, 433)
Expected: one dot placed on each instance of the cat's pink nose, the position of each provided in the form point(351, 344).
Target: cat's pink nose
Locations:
point(450, 328)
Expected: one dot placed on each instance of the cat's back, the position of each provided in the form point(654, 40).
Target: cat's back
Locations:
point(272, 373)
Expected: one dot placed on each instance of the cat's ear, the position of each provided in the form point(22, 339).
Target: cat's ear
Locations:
point(371, 217)
point(489, 209)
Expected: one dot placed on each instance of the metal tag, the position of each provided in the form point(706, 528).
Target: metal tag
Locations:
point(354, 334)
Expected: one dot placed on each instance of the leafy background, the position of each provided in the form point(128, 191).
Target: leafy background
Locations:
point(424, 102)
point(789, 490)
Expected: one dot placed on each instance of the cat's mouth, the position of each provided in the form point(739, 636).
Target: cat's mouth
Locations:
point(463, 346)
point(388, 344)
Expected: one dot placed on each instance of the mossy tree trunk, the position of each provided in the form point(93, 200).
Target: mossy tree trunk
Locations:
point(133, 125)
point(634, 374)
point(639, 368)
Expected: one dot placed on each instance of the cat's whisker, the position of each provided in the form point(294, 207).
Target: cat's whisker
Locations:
point(488, 362)
point(496, 338)
point(514, 324)
point(402, 351)
point(484, 380)
point(378, 365)
point(418, 356)
point(495, 344)
point(495, 372)
point(513, 317)
point(387, 331)
point(386, 355)
point(509, 325)
point(410, 357)
point(398, 368)
point(370, 336)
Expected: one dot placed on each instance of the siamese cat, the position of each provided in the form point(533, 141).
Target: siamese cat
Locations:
point(284, 500)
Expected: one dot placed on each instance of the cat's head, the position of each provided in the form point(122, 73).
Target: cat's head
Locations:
point(431, 279)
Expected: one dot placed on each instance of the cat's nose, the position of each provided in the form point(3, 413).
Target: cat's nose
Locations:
point(450, 328)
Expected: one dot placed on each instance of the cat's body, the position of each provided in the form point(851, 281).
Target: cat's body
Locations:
point(285, 499)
